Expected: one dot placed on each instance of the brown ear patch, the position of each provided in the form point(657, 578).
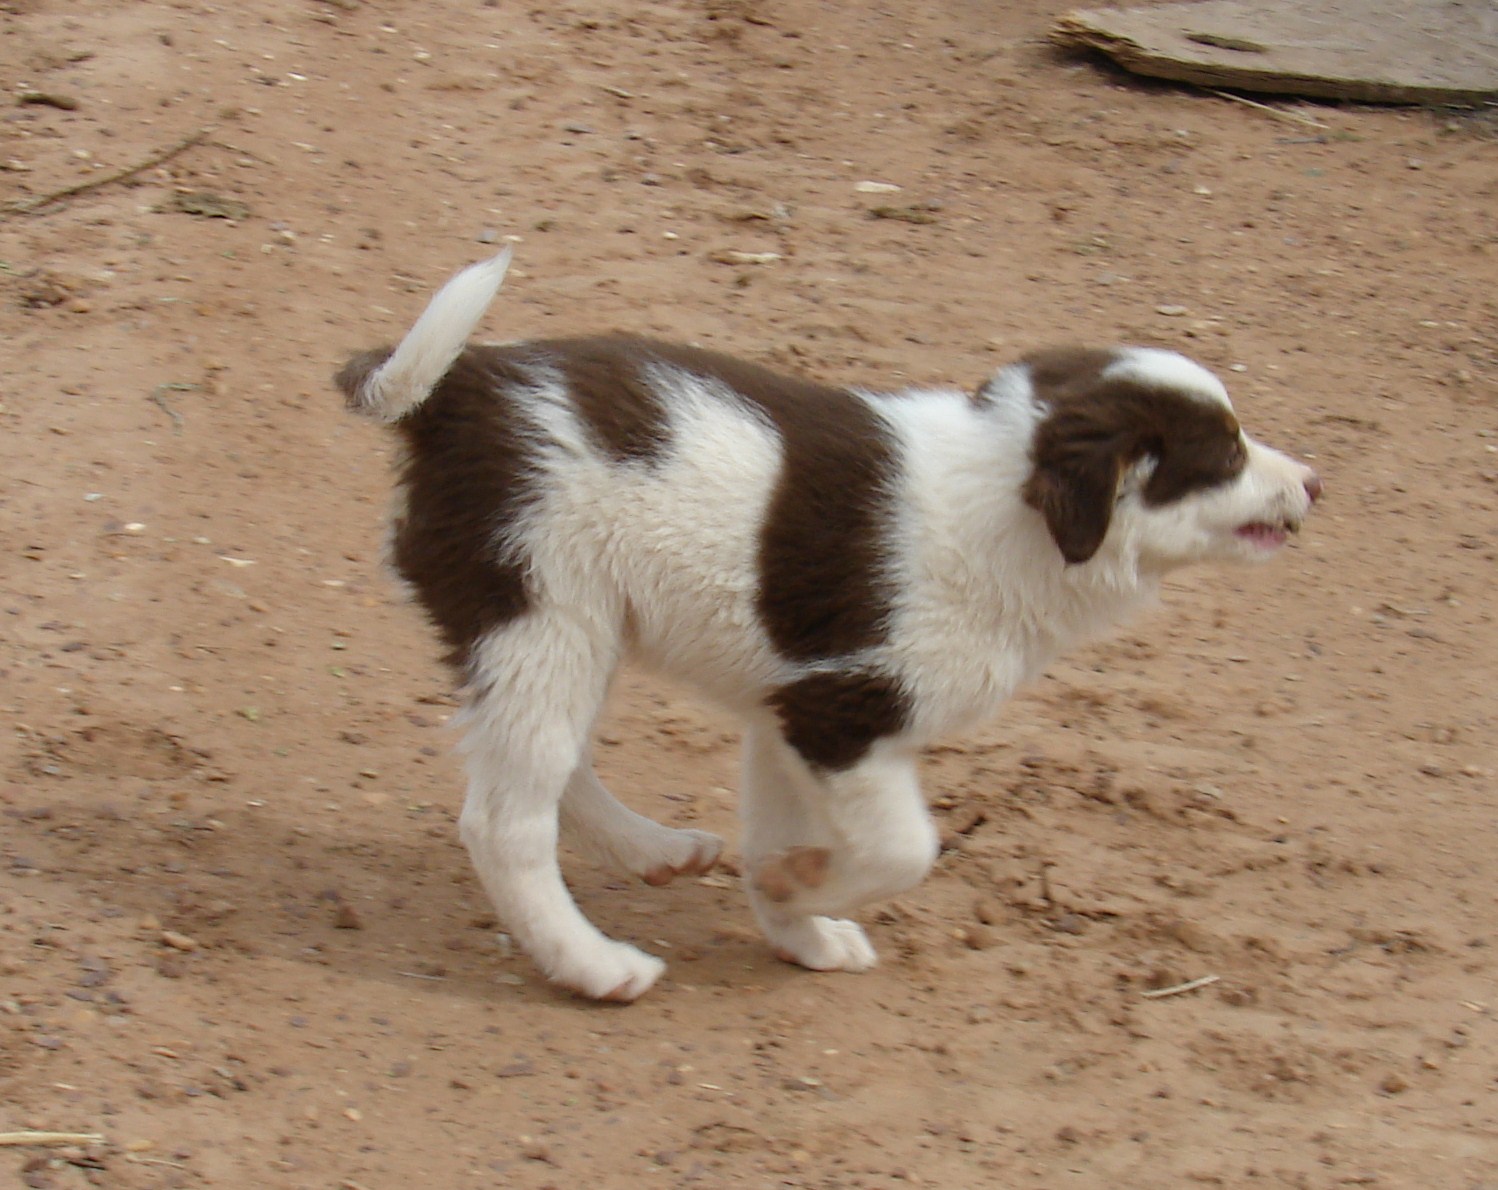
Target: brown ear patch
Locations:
point(1072, 487)
point(1096, 427)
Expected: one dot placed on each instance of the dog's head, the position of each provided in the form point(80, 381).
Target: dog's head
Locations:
point(1144, 444)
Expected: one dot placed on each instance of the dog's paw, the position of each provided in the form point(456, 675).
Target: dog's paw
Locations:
point(691, 853)
point(614, 972)
point(779, 877)
point(824, 944)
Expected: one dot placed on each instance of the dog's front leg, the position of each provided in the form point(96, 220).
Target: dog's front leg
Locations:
point(819, 845)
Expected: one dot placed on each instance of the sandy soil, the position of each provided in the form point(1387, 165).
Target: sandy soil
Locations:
point(239, 940)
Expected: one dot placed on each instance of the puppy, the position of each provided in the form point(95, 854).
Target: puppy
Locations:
point(854, 572)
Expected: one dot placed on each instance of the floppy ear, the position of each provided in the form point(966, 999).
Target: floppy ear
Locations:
point(1074, 482)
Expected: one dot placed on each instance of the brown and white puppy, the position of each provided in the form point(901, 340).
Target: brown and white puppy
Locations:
point(854, 572)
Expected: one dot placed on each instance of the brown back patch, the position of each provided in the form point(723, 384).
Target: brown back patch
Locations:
point(823, 591)
point(610, 393)
point(1096, 428)
point(468, 475)
point(832, 719)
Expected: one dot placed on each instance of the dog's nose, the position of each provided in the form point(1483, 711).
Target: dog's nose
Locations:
point(1313, 487)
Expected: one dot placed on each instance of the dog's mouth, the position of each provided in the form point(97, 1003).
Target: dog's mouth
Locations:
point(1266, 536)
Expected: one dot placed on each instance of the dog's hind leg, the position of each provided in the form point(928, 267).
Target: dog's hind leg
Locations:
point(536, 687)
point(819, 845)
point(614, 835)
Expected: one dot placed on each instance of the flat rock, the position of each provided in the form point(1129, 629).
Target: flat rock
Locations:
point(1371, 51)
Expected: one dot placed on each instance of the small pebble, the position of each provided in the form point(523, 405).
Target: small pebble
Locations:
point(178, 941)
point(977, 937)
point(988, 911)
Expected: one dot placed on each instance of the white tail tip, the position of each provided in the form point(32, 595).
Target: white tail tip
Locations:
point(387, 388)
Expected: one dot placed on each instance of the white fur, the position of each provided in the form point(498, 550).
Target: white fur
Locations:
point(1168, 370)
point(690, 525)
point(661, 562)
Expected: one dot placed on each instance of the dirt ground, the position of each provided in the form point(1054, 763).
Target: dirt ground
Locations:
point(240, 942)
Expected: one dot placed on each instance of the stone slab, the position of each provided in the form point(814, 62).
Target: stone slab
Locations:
point(1372, 51)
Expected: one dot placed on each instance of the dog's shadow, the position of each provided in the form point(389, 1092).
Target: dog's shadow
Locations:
point(396, 906)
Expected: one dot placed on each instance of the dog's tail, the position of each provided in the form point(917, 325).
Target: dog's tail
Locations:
point(387, 385)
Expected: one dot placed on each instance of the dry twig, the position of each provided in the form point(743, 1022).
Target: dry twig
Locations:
point(1176, 989)
point(28, 205)
point(27, 1138)
point(1278, 112)
point(137, 1159)
point(158, 398)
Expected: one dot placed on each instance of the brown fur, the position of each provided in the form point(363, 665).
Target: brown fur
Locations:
point(832, 719)
point(1097, 428)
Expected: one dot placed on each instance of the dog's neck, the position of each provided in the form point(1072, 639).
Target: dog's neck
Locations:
point(967, 536)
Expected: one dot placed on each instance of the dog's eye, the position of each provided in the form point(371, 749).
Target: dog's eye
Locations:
point(1188, 464)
